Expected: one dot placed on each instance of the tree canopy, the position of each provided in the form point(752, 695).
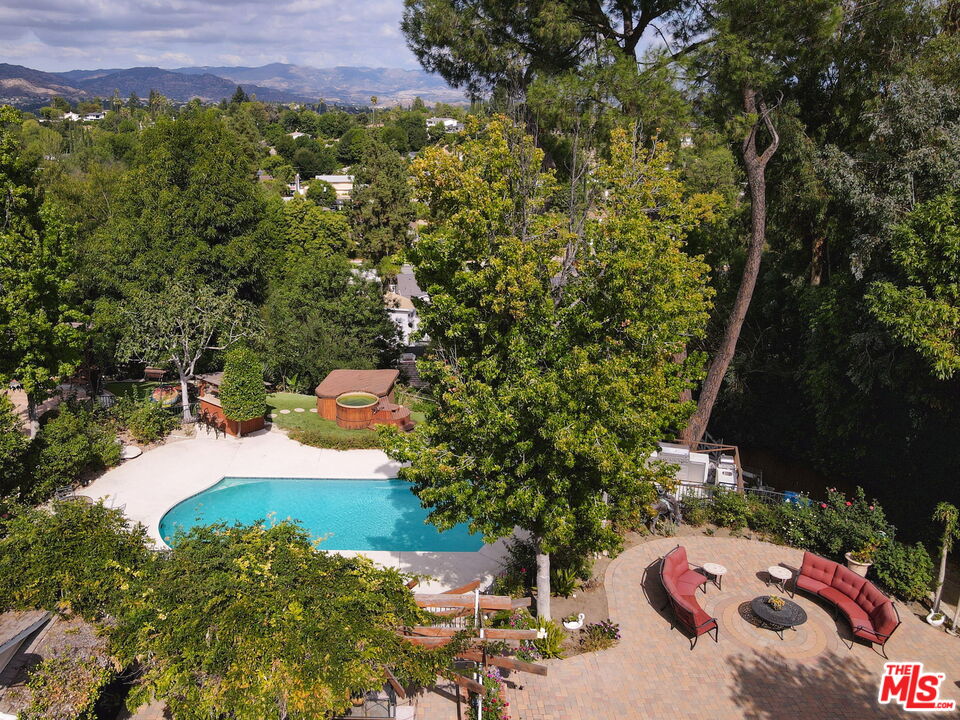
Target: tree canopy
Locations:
point(554, 356)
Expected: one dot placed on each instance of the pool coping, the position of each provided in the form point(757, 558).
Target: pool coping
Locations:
point(320, 544)
point(149, 486)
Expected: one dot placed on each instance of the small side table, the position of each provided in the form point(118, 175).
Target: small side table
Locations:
point(715, 572)
point(780, 576)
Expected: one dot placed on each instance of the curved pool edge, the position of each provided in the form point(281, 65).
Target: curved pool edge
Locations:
point(152, 484)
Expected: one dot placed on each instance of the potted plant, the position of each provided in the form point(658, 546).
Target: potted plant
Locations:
point(573, 622)
point(936, 618)
point(776, 602)
point(859, 561)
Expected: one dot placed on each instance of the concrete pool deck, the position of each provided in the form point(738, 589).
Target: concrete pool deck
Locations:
point(148, 486)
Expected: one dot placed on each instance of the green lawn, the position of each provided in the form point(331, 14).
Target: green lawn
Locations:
point(305, 420)
point(130, 388)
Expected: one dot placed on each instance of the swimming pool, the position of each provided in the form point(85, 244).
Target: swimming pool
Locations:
point(358, 514)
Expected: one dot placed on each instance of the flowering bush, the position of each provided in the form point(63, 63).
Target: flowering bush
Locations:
point(599, 636)
point(495, 705)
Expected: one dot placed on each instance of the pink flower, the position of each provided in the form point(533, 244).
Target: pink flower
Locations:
point(823, 505)
point(871, 507)
point(849, 503)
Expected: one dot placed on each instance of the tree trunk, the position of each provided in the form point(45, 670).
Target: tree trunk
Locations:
point(543, 583)
point(185, 398)
point(756, 165)
point(817, 260)
point(940, 578)
point(956, 619)
point(33, 423)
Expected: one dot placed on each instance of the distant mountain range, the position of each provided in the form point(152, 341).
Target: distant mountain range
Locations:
point(276, 82)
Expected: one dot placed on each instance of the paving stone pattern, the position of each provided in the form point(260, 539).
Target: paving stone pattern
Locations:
point(749, 675)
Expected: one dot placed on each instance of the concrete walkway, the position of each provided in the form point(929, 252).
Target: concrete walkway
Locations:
point(148, 486)
point(750, 674)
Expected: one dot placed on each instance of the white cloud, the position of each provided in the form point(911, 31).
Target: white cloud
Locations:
point(67, 34)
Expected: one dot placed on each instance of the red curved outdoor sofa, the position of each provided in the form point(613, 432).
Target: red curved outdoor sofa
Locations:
point(871, 614)
point(681, 583)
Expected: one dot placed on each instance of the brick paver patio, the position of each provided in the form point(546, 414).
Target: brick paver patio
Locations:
point(750, 674)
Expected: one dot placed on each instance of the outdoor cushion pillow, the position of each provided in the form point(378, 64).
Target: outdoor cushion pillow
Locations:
point(870, 597)
point(675, 561)
point(884, 618)
point(818, 568)
point(692, 576)
point(809, 584)
point(848, 582)
point(856, 615)
point(835, 596)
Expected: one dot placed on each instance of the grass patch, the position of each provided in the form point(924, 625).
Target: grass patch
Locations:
point(311, 429)
point(132, 389)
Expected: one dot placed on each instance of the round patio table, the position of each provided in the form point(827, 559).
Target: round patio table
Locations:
point(715, 572)
point(789, 616)
point(780, 575)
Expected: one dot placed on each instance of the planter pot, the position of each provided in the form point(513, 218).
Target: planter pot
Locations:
point(860, 568)
point(936, 622)
point(576, 624)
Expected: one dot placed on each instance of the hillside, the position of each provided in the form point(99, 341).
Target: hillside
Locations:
point(28, 88)
point(343, 84)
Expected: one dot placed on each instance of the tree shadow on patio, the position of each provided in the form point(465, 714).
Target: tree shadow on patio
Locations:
point(836, 686)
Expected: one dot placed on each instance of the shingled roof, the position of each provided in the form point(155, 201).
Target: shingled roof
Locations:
point(376, 382)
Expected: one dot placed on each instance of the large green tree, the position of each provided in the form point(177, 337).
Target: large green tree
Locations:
point(40, 326)
point(255, 622)
point(381, 211)
point(555, 351)
point(922, 306)
point(178, 326)
point(322, 315)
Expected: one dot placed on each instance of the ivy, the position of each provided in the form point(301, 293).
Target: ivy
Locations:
point(242, 393)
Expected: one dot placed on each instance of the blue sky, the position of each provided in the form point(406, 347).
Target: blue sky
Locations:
point(57, 35)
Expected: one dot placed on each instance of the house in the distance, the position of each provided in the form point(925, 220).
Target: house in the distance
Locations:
point(342, 185)
point(72, 116)
point(99, 115)
point(403, 313)
point(449, 124)
point(297, 134)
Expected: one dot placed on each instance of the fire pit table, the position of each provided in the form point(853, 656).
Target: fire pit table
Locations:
point(789, 616)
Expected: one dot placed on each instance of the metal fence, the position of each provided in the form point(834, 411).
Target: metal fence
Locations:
point(690, 491)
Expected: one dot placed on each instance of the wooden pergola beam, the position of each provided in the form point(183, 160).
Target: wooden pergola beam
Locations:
point(488, 633)
point(467, 683)
point(463, 600)
point(507, 663)
point(469, 587)
point(395, 684)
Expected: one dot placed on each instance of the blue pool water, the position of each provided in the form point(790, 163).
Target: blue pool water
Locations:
point(356, 514)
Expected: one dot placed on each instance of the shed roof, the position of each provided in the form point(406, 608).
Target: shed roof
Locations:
point(376, 382)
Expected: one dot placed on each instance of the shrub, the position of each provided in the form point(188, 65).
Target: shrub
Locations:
point(75, 559)
point(762, 517)
point(550, 646)
point(905, 570)
point(356, 440)
point(729, 509)
point(599, 636)
point(563, 582)
point(696, 512)
point(145, 420)
point(66, 687)
point(798, 524)
point(850, 524)
point(72, 443)
point(495, 705)
point(242, 393)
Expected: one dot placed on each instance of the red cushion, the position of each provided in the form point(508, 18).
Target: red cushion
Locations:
point(698, 616)
point(692, 577)
point(809, 584)
point(848, 582)
point(675, 562)
point(834, 596)
point(855, 614)
point(818, 568)
point(870, 597)
point(884, 618)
